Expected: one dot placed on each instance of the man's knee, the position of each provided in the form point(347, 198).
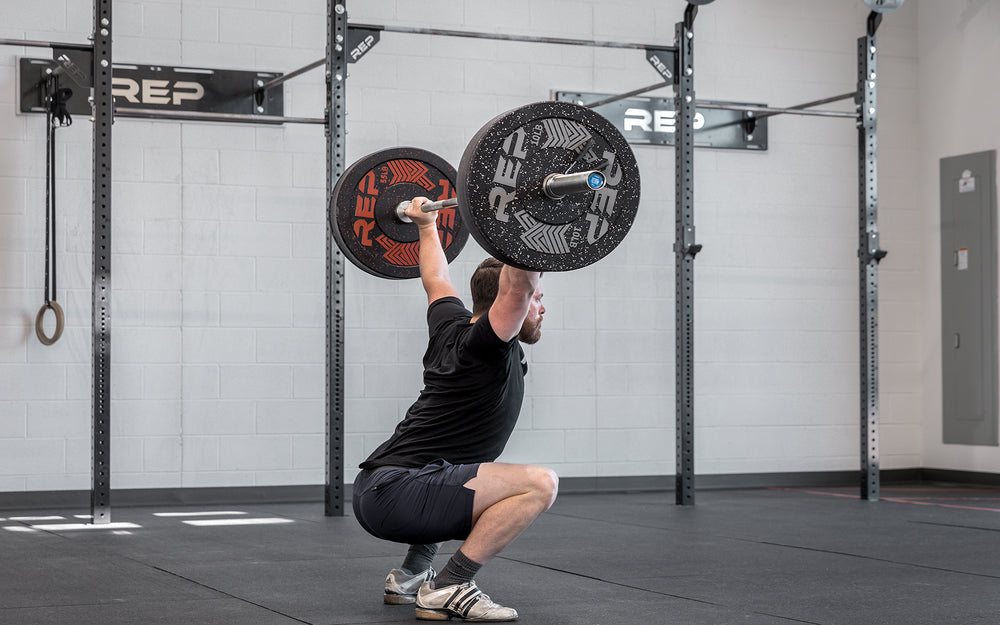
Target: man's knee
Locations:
point(545, 483)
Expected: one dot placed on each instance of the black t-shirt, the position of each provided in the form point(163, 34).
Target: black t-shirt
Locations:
point(473, 388)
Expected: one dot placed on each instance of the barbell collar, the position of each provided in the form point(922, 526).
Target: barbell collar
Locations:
point(558, 186)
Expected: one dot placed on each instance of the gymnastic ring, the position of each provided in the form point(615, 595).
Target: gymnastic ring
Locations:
point(60, 322)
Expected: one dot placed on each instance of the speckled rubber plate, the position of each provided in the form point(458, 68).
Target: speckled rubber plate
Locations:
point(362, 210)
point(500, 187)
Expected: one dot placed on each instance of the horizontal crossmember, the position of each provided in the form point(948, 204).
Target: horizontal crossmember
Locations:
point(503, 37)
point(214, 117)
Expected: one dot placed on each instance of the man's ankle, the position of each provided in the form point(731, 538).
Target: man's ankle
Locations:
point(459, 570)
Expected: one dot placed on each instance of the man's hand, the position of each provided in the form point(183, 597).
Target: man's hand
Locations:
point(418, 216)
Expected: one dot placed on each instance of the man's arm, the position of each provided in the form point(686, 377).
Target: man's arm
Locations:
point(433, 263)
point(510, 308)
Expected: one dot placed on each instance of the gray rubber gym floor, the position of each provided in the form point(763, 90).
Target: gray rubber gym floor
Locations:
point(921, 555)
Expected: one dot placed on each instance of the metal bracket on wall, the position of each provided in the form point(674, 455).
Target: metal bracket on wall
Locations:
point(687, 246)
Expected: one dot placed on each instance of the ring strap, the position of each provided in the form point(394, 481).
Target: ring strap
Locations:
point(50, 225)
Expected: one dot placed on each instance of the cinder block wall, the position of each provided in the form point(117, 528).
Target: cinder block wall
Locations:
point(958, 46)
point(218, 242)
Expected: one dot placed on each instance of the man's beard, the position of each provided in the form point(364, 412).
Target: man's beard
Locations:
point(530, 332)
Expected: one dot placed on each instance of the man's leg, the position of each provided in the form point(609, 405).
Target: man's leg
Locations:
point(509, 497)
point(401, 584)
point(418, 558)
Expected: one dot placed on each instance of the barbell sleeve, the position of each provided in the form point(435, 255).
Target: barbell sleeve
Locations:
point(558, 186)
point(555, 186)
point(429, 207)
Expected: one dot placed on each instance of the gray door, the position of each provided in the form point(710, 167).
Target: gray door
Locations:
point(969, 298)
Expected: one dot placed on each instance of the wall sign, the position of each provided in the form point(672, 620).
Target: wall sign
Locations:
point(157, 87)
point(651, 121)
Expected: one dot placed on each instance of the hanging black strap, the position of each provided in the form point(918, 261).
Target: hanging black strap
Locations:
point(55, 115)
point(60, 110)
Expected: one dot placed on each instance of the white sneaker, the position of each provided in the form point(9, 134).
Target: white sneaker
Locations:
point(401, 587)
point(465, 601)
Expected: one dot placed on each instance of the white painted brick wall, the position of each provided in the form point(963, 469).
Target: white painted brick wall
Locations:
point(219, 417)
point(969, 31)
point(219, 254)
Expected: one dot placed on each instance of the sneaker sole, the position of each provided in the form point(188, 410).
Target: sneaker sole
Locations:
point(394, 599)
point(430, 614)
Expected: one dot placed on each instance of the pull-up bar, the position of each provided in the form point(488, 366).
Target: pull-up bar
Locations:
point(504, 37)
point(481, 35)
point(27, 43)
point(197, 116)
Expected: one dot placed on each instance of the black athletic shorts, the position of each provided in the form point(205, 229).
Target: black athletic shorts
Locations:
point(418, 506)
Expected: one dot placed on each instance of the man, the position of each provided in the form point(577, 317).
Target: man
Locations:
point(435, 479)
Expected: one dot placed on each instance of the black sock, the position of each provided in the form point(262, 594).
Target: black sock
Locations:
point(460, 569)
point(419, 558)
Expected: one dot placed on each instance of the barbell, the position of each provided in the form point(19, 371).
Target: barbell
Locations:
point(550, 186)
point(555, 187)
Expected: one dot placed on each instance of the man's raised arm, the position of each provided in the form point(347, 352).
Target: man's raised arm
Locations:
point(433, 263)
point(510, 308)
